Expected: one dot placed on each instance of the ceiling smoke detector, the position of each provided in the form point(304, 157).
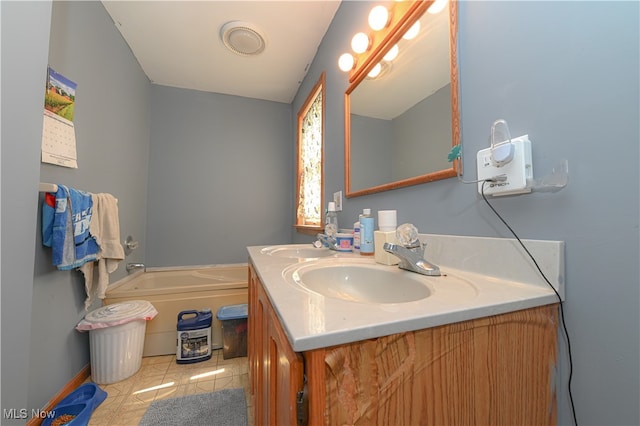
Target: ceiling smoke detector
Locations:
point(242, 38)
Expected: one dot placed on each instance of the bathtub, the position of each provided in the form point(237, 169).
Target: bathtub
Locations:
point(172, 290)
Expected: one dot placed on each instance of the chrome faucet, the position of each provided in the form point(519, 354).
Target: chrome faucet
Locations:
point(131, 267)
point(412, 258)
point(322, 239)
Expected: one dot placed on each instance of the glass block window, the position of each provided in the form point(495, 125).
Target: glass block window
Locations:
point(310, 170)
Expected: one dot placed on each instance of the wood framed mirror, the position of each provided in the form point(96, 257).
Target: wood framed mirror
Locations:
point(401, 126)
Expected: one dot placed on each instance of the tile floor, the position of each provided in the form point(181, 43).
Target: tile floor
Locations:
point(128, 400)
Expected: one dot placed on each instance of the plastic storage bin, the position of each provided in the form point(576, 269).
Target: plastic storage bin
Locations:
point(116, 339)
point(234, 330)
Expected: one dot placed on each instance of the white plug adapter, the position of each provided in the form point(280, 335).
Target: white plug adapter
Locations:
point(518, 171)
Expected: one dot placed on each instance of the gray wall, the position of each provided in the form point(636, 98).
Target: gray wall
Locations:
point(567, 75)
point(25, 28)
point(112, 135)
point(219, 174)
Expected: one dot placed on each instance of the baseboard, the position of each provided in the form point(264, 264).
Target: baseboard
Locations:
point(76, 381)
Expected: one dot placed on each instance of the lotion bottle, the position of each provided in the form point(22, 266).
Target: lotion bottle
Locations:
point(366, 233)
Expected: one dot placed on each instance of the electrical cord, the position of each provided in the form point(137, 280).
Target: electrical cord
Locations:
point(564, 325)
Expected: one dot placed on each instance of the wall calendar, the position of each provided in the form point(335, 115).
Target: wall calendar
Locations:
point(58, 132)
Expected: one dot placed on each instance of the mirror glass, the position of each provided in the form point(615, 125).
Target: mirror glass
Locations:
point(401, 126)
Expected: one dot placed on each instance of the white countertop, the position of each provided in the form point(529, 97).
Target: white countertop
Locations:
point(314, 321)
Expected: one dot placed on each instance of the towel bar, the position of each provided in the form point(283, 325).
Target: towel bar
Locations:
point(47, 187)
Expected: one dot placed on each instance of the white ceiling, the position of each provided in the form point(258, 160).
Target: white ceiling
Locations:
point(178, 44)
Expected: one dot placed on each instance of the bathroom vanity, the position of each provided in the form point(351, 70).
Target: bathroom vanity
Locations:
point(487, 356)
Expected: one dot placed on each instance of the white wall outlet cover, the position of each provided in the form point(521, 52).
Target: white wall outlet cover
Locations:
point(518, 172)
point(337, 198)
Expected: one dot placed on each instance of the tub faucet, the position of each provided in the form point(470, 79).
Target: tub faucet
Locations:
point(131, 267)
point(412, 258)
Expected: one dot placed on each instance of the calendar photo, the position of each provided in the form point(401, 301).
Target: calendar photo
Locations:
point(58, 131)
point(60, 96)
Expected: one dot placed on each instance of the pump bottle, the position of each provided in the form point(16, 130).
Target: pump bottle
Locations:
point(331, 220)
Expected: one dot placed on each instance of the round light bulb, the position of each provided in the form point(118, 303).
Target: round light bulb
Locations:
point(360, 43)
point(378, 18)
point(437, 6)
point(392, 54)
point(346, 62)
point(412, 32)
point(375, 71)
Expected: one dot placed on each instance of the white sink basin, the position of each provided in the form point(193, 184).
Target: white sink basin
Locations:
point(297, 252)
point(359, 280)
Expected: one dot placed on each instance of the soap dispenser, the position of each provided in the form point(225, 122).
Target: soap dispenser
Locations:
point(331, 220)
point(386, 233)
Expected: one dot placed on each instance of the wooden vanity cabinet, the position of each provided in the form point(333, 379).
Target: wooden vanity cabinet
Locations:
point(496, 370)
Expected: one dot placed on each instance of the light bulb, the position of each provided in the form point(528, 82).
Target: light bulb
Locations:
point(346, 62)
point(412, 32)
point(375, 71)
point(437, 6)
point(360, 43)
point(392, 54)
point(378, 18)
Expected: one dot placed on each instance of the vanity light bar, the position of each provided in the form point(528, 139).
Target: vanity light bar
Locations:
point(380, 19)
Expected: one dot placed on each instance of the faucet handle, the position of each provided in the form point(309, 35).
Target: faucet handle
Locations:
point(407, 235)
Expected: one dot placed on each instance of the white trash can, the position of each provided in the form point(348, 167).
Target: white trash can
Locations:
point(116, 338)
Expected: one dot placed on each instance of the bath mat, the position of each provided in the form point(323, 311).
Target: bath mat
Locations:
point(226, 407)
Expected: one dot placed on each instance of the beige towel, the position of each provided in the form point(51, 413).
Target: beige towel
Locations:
point(105, 228)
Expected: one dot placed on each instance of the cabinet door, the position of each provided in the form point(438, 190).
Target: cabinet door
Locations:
point(277, 371)
point(286, 376)
point(258, 346)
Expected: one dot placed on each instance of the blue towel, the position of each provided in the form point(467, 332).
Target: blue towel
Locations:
point(71, 242)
